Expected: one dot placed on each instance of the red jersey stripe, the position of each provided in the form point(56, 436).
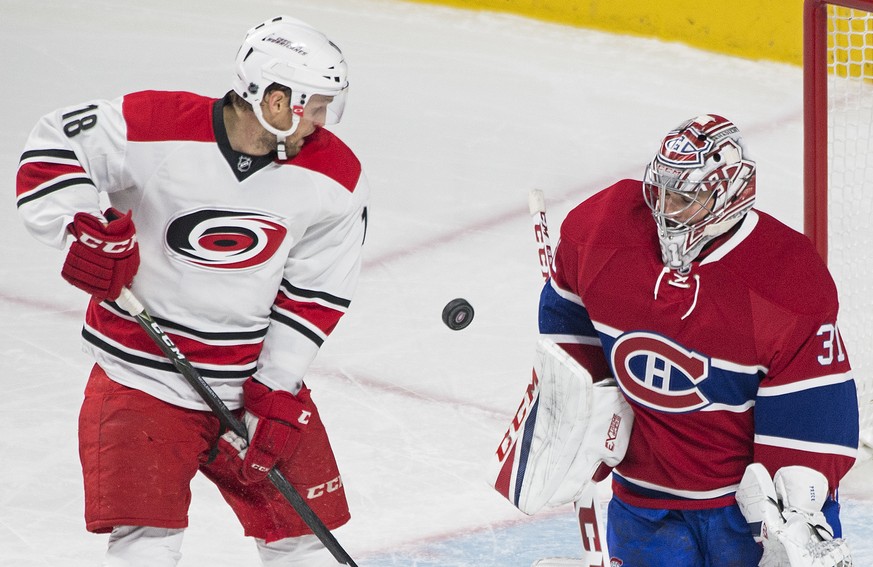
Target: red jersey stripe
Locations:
point(326, 154)
point(318, 315)
point(129, 335)
point(32, 175)
point(145, 114)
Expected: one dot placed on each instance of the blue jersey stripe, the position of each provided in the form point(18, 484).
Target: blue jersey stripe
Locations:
point(559, 316)
point(524, 449)
point(816, 415)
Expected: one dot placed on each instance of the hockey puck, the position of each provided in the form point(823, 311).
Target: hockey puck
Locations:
point(457, 314)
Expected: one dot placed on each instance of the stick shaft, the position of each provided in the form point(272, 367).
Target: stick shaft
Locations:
point(129, 302)
point(588, 504)
point(537, 206)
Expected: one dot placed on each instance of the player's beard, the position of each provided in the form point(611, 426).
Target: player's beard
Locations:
point(269, 143)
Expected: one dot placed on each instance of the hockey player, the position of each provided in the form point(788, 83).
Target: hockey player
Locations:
point(719, 325)
point(239, 223)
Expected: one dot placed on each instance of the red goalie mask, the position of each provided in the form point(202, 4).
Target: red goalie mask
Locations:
point(699, 184)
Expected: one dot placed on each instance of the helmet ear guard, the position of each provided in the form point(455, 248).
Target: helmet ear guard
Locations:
point(291, 53)
point(704, 164)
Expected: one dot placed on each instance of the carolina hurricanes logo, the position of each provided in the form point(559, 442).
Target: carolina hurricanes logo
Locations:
point(223, 239)
point(658, 373)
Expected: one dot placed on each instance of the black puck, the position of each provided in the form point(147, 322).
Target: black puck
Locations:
point(457, 314)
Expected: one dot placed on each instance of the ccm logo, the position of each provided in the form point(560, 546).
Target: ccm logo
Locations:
point(326, 488)
point(108, 247)
point(166, 340)
point(518, 420)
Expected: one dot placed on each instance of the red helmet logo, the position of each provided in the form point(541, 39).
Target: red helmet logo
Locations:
point(685, 149)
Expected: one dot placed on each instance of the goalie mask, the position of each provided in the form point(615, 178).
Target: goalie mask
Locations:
point(699, 185)
point(295, 55)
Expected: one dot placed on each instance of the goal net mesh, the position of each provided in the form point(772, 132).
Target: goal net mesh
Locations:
point(850, 189)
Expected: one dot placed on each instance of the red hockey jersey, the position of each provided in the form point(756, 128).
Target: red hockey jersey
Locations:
point(739, 360)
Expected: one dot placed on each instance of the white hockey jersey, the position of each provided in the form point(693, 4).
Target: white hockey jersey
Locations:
point(248, 262)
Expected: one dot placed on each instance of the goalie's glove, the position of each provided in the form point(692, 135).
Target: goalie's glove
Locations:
point(105, 255)
point(274, 420)
point(785, 516)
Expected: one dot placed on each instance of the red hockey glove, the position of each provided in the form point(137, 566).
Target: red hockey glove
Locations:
point(105, 257)
point(274, 419)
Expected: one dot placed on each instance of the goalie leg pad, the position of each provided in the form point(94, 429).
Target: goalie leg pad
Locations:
point(563, 430)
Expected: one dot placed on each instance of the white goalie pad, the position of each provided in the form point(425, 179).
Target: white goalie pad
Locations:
point(565, 427)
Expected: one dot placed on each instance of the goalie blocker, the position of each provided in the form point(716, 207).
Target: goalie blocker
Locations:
point(567, 433)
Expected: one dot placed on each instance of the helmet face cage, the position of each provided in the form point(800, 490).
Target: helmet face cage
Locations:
point(699, 184)
point(291, 53)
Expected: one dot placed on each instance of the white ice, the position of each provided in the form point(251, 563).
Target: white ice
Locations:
point(456, 115)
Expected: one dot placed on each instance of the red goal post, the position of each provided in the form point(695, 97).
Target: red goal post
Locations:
point(838, 169)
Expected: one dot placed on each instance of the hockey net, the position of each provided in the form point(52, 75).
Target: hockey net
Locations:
point(838, 170)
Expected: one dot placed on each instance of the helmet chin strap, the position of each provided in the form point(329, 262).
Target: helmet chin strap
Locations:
point(281, 135)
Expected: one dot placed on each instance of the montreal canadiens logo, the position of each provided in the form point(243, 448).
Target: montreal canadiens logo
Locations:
point(685, 149)
point(658, 373)
point(223, 239)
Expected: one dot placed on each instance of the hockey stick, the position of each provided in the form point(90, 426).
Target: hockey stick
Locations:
point(588, 505)
point(536, 201)
point(129, 302)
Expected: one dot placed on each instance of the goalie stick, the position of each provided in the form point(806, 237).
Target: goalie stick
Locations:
point(587, 506)
point(536, 201)
point(129, 302)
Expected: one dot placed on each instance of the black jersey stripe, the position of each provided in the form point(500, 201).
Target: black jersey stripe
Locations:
point(62, 154)
point(54, 187)
point(158, 364)
point(312, 294)
point(300, 328)
point(170, 326)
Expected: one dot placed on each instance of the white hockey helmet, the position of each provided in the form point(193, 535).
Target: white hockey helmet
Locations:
point(699, 185)
point(293, 54)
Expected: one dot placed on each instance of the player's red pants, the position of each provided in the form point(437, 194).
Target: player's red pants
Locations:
point(139, 455)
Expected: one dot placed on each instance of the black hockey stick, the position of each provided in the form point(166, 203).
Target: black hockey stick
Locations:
point(128, 301)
